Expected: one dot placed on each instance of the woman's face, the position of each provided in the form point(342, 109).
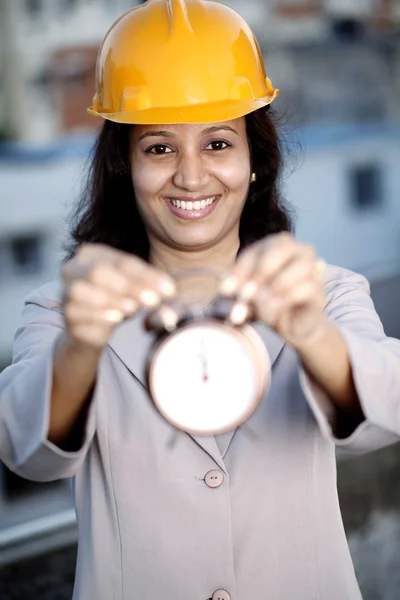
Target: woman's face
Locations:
point(191, 182)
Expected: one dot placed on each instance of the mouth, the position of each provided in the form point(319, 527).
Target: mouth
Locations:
point(198, 208)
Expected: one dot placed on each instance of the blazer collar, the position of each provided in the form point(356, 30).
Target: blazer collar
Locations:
point(132, 343)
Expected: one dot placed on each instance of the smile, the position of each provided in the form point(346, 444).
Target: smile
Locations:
point(192, 209)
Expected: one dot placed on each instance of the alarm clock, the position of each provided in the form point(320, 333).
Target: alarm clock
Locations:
point(205, 375)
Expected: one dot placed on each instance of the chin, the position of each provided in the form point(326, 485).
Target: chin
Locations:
point(193, 245)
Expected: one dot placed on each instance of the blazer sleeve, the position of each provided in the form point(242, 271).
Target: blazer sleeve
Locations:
point(25, 390)
point(375, 361)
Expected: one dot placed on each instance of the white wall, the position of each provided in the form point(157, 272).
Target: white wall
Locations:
point(28, 43)
point(33, 198)
point(366, 240)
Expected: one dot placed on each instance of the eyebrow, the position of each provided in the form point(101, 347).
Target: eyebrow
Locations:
point(166, 134)
point(216, 128)
point(169, 134)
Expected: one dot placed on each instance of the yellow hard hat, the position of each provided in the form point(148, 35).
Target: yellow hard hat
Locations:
point(180, 61)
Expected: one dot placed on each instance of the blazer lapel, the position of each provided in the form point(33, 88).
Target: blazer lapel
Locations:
point(133, 344)
point(274, 344)
point(271, 339)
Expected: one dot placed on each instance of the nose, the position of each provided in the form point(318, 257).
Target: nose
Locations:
point(191, 173)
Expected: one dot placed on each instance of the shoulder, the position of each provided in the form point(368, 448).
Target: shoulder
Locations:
point(349, 301)
point(339, 280)
point(47, 296)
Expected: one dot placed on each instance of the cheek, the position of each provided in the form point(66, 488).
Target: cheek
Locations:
point(147, 182)
point(235, 175)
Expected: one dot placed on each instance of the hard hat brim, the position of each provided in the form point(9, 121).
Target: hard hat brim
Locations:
point(216, 112)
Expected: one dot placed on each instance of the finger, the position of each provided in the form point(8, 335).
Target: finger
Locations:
point(101, 274)
point(268, 307)
point(129, 277)
point(86, 294)
point(133, 278)
point(308, 292)
point(259, 264)
point(235, 280)
point(271, 306)
point(319, 269)
point(100, 260)
point(292, 275)
point(240, 313)
point(77, 314)
point(153, 279)
point(278, 258)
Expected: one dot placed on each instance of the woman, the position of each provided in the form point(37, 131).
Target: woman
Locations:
point(184, 175)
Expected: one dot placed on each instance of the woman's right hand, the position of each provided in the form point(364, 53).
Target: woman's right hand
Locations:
point(102, 286)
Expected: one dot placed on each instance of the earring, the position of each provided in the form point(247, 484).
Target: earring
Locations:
point(253, 178)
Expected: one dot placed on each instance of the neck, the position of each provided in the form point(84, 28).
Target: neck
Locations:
point(201, 289)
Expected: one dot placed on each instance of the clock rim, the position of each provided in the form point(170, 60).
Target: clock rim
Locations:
point(258, 354)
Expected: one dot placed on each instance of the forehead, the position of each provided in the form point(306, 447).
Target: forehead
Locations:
point(191, 130)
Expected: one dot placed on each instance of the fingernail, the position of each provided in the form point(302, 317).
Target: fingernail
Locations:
point(113, 315)
point(229, 285)
point(149, 298)
point(167, 287)
point(128, 306)
point(239, 314)
point(248, 290)
point(169, 318)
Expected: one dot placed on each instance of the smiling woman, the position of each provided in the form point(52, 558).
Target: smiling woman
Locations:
point(111, 210)
point(185, 175)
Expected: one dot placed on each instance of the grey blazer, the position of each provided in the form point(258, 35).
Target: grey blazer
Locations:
point(165, 515)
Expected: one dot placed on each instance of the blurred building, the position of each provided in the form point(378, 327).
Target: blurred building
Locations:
point(48, 53)
point(336, 60)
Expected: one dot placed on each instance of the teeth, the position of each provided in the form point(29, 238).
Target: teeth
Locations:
point(197, 205)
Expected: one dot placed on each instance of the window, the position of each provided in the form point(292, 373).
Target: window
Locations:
point(34, 6)
point(298, 8)
point(347, 30)
point(72, 69)
point(22, 254)
point(26, 253)
point(68, 5)
point(366, 187)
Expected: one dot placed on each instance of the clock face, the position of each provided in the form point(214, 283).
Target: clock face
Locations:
point(208, 377)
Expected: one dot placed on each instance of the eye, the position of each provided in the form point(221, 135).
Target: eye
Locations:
point(218, 145)
point(159, 149)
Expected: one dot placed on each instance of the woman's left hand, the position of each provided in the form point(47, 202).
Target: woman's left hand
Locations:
point(282, 281)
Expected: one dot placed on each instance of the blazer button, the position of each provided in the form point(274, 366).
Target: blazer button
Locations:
point(214, 479)
point(221, 595)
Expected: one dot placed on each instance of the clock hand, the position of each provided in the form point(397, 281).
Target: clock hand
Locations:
point(203, 359)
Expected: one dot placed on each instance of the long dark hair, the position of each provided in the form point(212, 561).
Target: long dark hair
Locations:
point(107, 211)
